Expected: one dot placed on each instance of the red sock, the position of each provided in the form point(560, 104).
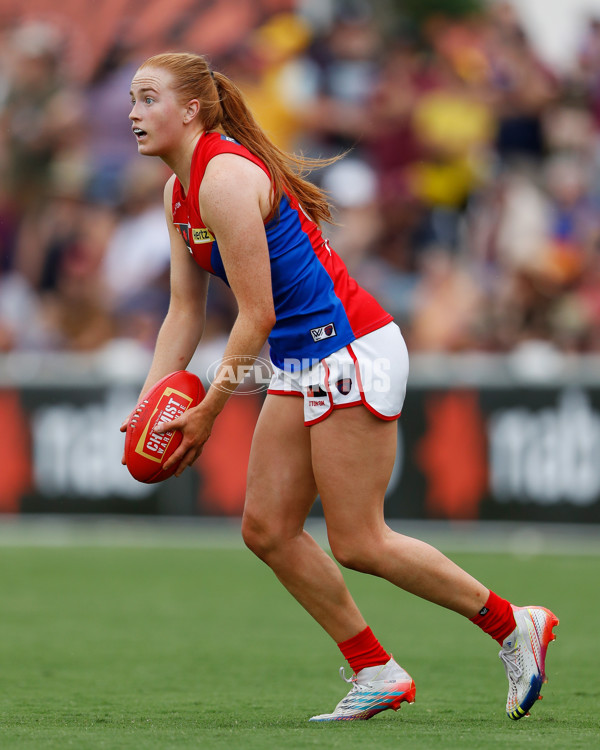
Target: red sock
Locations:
point(496, 618)
point(363, 650)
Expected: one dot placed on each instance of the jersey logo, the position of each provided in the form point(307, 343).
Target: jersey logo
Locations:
point(184, 231)
point(202, 235)
point(325, 332)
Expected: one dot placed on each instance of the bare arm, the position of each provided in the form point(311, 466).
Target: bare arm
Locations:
point(183, 325)
point(231, 204)
point(233, 200)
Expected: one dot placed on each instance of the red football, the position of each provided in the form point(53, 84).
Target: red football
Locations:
point(145, 451)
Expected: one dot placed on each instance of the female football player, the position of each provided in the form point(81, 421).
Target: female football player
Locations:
point(238, 208)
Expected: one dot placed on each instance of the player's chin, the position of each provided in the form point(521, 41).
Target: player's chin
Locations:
point(146, 149)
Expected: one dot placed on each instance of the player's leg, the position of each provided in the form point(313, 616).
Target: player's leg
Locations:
point(280, 492)
point(352, 492)
point(352, 481)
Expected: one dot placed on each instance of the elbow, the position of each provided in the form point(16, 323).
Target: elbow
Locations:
point(258, 319)
point(266, 322)
point(183, 320)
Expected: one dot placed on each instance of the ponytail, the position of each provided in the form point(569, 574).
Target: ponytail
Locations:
point(287, 171)
point(222, 106)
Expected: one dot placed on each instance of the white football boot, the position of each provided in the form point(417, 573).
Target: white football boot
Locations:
point(524, 657)
point(374, 689)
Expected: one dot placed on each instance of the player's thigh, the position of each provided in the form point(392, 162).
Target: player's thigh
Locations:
point(353, 454)
point(281, 487)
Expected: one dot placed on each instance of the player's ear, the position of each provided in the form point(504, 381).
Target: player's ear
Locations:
point(191, 110)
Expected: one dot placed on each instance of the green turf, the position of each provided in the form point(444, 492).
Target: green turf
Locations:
point(196, 648)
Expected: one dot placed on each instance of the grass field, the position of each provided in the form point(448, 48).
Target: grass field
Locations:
point(159, 647)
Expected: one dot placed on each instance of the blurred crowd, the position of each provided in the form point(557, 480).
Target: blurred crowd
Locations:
point(468, 201)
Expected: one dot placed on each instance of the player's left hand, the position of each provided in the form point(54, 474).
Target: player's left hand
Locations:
point(196, 426)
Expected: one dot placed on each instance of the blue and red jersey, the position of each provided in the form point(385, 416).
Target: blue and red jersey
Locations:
point(319, 307)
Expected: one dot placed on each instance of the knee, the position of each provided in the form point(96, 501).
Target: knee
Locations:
point(260, 535)
point(355, 553)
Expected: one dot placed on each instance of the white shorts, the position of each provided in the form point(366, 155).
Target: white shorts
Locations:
point(372, 371)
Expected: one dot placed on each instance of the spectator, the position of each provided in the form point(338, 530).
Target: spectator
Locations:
point(135, 265)
point(447, 311)
point(266, 69)
point(342, 68)
point(38, 111)
point(524, 87)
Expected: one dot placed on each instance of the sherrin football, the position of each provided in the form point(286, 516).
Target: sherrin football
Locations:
point(146, 452)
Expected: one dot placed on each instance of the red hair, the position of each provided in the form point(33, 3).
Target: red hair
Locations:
point(223, 107)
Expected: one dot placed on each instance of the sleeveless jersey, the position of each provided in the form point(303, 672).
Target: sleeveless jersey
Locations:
point(319, 307)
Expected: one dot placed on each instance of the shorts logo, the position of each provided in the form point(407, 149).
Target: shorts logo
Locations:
point(202, 235)
point(315, 391)
point(344, 386)
point(325, 332)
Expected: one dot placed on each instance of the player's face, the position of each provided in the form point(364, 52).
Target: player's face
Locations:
point(156, 114)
